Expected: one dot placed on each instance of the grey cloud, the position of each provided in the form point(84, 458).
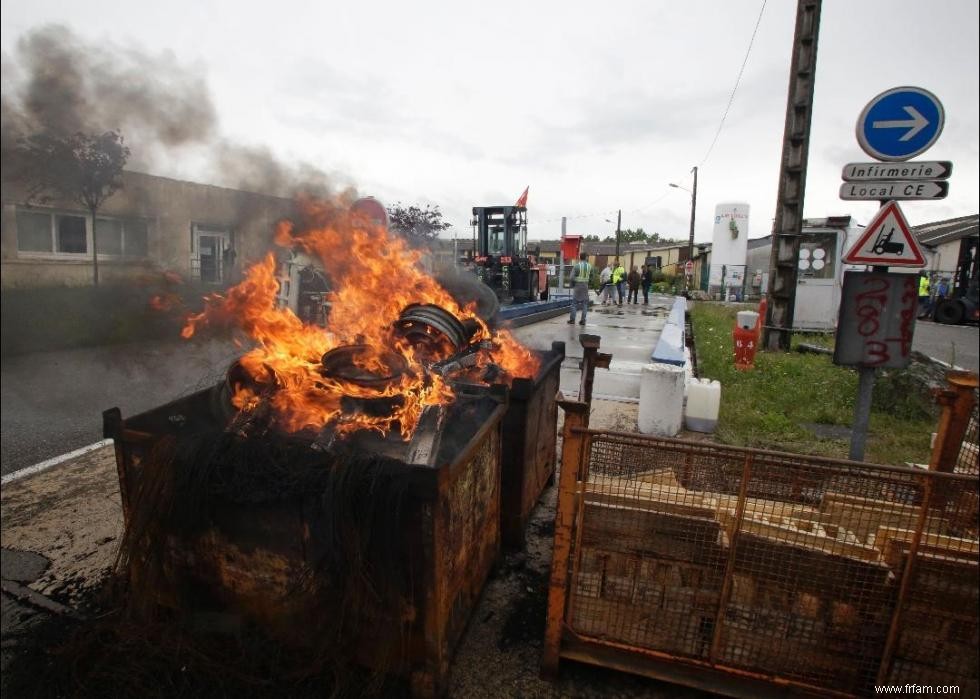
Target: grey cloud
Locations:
point(317, 98)
point(622, 117)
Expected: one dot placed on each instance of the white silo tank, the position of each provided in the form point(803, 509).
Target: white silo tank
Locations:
point(729, 243)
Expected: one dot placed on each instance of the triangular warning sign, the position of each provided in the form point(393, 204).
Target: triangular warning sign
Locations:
point(887, 241)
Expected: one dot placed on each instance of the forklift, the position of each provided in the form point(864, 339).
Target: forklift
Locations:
point(502, 260)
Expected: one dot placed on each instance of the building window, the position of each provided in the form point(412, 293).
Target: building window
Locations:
point(71, 234)
point(56, 233)
point(118, 236)
point(51, 233)
point(818, 259)
point(34, 232)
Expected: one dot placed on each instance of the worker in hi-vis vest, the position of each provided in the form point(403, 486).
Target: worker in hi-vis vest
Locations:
point(925, 305)
point(619, 280)
point(579, 277)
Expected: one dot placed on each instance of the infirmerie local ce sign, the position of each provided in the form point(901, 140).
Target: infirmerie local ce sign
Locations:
point(894, 190)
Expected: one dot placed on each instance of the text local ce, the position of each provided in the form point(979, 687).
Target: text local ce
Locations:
point(887, 191)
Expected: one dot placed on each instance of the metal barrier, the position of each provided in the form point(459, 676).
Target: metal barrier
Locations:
point(955, 448)
point(745, 571)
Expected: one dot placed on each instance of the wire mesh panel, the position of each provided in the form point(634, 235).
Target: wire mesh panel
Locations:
point(651, 561)
point(775, 564)
point(810, 596)
point(968, 459)
point(937, 638)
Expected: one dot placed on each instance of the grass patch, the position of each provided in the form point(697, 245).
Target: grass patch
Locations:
point(768, 406)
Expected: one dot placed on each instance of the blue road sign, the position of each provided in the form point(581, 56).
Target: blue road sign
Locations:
point(900, 123)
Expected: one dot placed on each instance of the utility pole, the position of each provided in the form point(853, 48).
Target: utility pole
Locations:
point(690, 239)
point(694, 204)
point(778, 329)
point(619, 221)
point(561, 256)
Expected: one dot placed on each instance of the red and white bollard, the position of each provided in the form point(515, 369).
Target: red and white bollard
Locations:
point(745, 339)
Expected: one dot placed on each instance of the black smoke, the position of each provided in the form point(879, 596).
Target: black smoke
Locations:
point(58, 83)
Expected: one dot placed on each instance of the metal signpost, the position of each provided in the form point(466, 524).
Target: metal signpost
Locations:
point(878, 309)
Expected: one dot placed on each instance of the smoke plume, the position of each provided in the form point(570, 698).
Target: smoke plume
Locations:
point(58, 83)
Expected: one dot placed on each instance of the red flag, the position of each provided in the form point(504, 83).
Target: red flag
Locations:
point(522, 200)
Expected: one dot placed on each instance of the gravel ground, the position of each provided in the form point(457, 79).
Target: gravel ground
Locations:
point(500, 654)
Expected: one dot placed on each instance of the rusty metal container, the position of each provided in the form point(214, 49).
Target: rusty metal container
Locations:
point(530, 431)
point(257, 561)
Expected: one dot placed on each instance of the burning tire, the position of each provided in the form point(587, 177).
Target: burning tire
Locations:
point(433, 331)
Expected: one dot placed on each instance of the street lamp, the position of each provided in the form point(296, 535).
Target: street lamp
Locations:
point(694, 203)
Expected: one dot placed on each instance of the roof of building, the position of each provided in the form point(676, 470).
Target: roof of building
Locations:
point(946, 231)
point(605, 248)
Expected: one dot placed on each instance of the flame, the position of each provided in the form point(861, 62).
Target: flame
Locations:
point(375, 276)
point(163, 302)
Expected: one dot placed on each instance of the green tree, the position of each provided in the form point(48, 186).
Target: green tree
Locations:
point(638, 235)
point(417, 224)
point(629, 235)
point(86, 168)
point(632, 235)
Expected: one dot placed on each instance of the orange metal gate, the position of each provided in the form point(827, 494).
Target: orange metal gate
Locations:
point(748, 572)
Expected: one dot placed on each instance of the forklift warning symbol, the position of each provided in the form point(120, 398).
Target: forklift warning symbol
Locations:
point(887, 241)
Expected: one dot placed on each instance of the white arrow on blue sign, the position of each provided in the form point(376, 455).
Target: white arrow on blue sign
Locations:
point(900, 123)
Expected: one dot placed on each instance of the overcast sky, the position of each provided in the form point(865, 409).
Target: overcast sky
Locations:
point(595, 106)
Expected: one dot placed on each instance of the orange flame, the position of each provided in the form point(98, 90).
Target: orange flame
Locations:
point(375, 276)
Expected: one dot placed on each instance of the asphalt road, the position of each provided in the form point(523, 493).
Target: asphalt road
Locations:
point(53, 401)
point(953, 344)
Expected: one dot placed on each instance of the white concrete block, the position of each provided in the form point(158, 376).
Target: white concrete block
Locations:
point(661, 399)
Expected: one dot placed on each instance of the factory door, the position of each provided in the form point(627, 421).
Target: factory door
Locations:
point(210, 246)
point(818, 283)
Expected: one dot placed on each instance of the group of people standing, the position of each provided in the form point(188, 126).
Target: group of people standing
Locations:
point(929, 298)
point(612, 280)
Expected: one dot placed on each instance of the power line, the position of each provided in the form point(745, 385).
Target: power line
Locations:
point(652, 203)
point(738, 80)
point(721, 124)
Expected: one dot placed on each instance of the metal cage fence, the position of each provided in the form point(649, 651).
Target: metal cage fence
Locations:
point(820, 573)
point(968, 458)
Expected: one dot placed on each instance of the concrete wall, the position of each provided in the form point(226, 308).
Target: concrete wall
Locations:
point(672, 256)
point(757, 259)
point(947, 256)
point(170, 208)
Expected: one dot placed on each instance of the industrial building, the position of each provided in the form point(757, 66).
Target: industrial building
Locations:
point(202, 232)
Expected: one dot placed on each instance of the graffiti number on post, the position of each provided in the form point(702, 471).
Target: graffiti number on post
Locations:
point(877, 320)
